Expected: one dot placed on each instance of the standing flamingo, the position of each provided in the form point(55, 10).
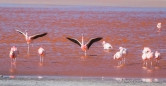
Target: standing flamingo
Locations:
point(146, 49)
point(41, 52)
point(147, 55)
point(144, 58)
point(124, 52)
point(13, 54)
point(29, 39)
point(107, 46)
point(159, 27)
point(83, 46)
point(118, 56)
point(157, 57)
point(150, 56)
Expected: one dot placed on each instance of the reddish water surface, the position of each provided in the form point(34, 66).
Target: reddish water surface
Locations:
point(132, 28)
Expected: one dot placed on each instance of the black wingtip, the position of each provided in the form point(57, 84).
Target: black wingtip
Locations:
point(67, 38)
point(45, 33)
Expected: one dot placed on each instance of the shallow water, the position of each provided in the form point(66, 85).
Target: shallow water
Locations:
point(132, 28)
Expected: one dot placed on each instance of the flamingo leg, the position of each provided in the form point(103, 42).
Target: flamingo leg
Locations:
point(11, 60)
point(28, 48)
point(14, 59)
point(157, 62)
point(146, 63)
point(119, 63)
point(123, 60)
point(151, 63)
point(11, 64)
point(42, 58)
point(85, 53)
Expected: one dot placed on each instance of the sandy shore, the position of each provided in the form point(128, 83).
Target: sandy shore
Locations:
point(77, 81)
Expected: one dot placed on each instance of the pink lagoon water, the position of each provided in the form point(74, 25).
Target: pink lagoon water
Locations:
point(132, 28)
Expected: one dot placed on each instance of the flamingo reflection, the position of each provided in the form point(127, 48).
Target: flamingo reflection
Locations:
point(29, 39)
point(86, 46)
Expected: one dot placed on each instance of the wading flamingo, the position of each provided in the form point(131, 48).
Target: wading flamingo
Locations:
point(13, 54)
point(29, 39)
point(150, 56)
point(159, 27)
point(41, 52)
point(107, 46)
point(144, 58)
point(124, 52)
point(118, 56)
point(157, 57)
point(147, 55)
point(83, 46)
point(146, 49)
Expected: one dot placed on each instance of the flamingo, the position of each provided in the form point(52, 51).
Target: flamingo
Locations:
point(41, 52)
point(150, 56)
point(107, 46)
point(13, 54)
point(159, 27)
point(29, 39)
point(86, 46)
point(147, 54)
point(118, 56)
point(144, 58)
point(124, 52)
point(157, 57)
point(146, 49)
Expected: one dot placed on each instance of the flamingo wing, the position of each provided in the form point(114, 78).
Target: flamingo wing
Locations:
point(20, 32)
point(74, 40)
point(38, 35)
point(91, 41)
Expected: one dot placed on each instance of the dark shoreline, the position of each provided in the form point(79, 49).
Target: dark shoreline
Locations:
point(67, 81)
point(83, 78)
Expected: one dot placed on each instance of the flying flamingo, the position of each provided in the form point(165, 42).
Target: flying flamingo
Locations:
point(83, 46)
point(41, 52)
point(118, 56)
point(107, 46)
point(124, 52)
point(13, 54)
point(157, 57)
point(159, 27)
point(29, 39)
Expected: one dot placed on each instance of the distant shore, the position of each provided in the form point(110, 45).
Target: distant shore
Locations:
point(114, 3)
